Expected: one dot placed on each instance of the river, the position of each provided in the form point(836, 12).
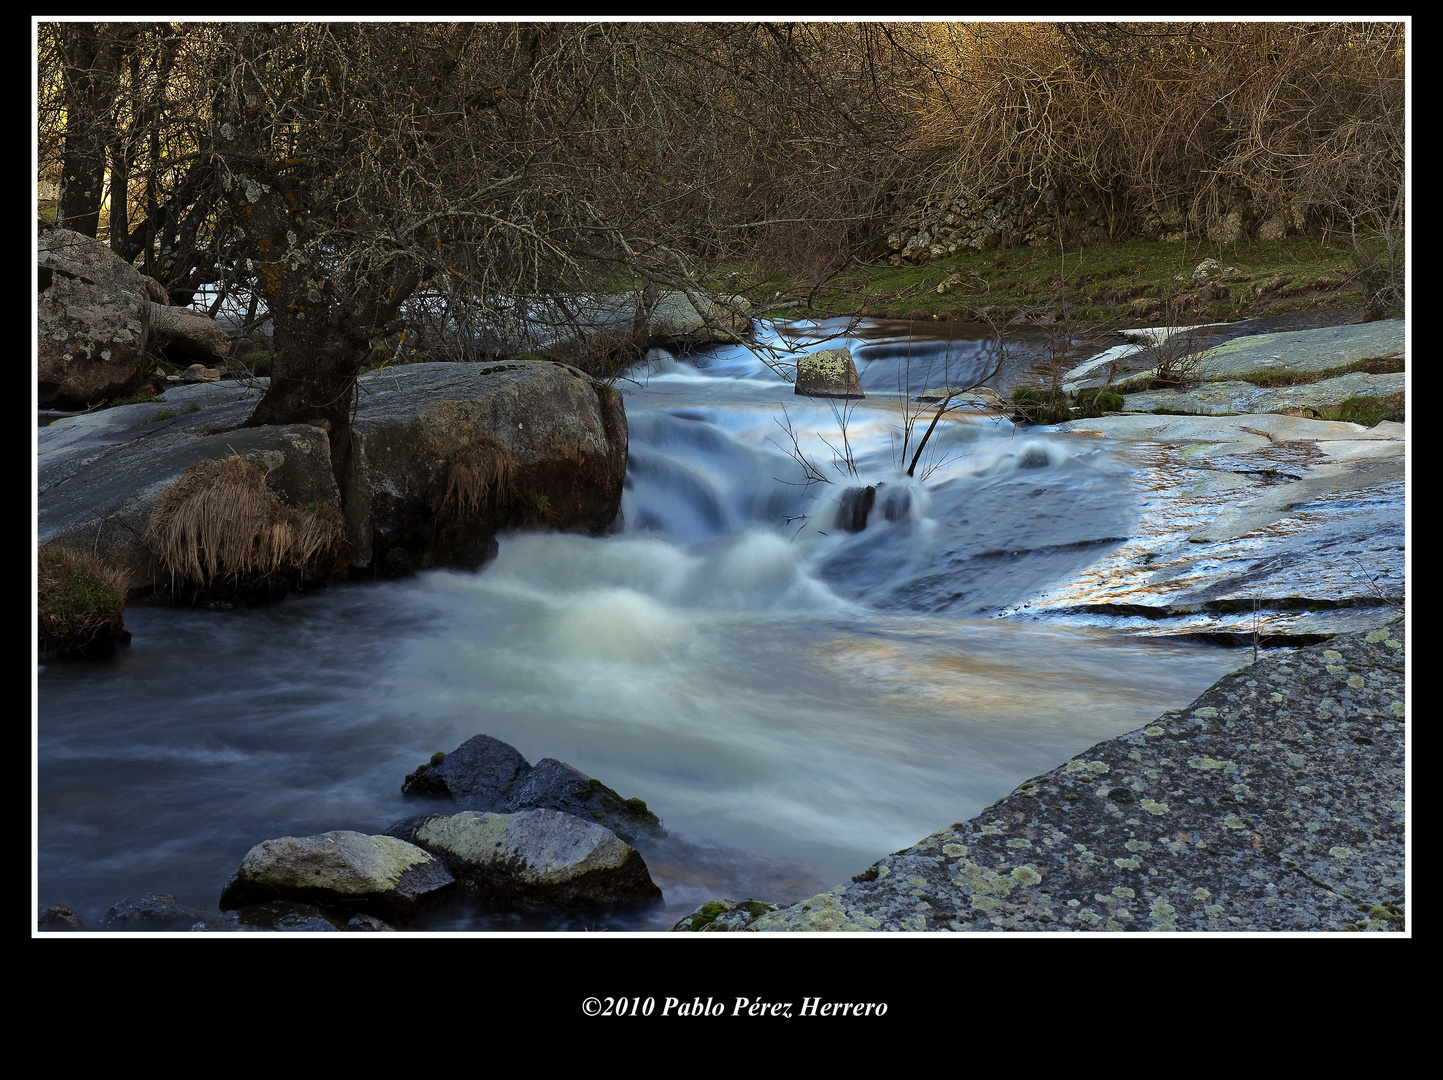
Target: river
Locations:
point(793, 700)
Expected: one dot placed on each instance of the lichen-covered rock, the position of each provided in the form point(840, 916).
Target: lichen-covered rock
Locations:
point(92, 322)
point(722, 916)
point(350, 870)
point(828, 373)
point(535, 858)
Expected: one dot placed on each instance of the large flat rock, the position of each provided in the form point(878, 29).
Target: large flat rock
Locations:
point(1305, 517)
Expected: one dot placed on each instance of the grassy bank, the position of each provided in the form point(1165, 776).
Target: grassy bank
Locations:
point(1128, 282)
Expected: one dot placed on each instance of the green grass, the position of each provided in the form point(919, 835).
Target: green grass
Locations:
point(1125, 282)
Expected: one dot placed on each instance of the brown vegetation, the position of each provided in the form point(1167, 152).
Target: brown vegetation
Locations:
point(480, 477)
point(1303, 119)
point(219, 532)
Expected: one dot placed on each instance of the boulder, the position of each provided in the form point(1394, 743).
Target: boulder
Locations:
point(55, 918)
point(476, 775)
point(535, 858)
point(185, 334)
point(828, 373)
point(675, 318)
point(853, 508)
point(489, 775)
point(1274, 802)
point(381, 875)
point(92, 322)
point(100, 475)
point(290, 916)
point(444, 455)
point(681, 319)
point(554, 785)
point(99, 322)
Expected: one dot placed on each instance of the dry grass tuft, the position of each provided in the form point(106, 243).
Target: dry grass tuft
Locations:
point(480, 476)
point(82, 602)
point(220, 527)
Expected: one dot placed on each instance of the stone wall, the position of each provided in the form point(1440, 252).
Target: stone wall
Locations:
point(1011, 216)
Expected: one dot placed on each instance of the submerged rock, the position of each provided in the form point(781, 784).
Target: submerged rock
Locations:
point(853, 508)
point(153, 911)
point(57, 918)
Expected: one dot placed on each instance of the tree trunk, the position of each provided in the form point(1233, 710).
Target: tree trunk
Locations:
point(83, 165)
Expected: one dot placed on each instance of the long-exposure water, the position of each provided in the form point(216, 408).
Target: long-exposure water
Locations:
point(793, 700)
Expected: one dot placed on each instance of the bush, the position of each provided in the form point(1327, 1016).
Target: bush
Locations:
point(219, 532)
point(82, 603)
point(1367, 410)
point(1095, 401)
point(1040, 407)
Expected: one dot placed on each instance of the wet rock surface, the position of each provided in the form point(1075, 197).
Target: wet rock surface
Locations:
point(487, 774)
point(1274, 802)
point(1305, 517)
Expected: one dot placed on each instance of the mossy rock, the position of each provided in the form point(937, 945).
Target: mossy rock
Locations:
point(81, 605)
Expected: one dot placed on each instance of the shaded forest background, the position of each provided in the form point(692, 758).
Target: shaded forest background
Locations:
point(338, 171)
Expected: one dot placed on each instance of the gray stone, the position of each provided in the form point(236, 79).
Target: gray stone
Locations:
point(378, 874)
point(56, 918)
point(487, 774)
point(555, 785)
point(536, 858)
point(100, 476)
point(564, 434)
point(1305, 517)
point(92, 318)
point(477, 775)
point(153, 912)
point(187, 334)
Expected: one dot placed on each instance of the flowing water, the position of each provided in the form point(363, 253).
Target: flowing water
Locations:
point(794, 700)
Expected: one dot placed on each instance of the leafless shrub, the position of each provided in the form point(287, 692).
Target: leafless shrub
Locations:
point(1295, 122)
point(220, 529)
point(1178, 352)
